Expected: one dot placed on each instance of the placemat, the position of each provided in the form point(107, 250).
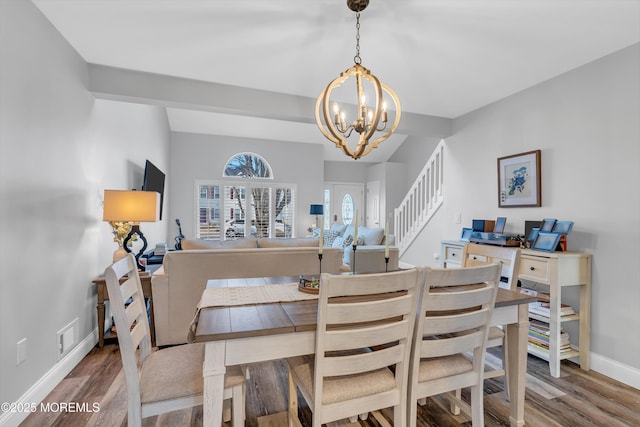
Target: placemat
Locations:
point(247, 295)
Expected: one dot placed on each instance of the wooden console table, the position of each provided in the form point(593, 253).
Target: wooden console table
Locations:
point(103, 295)
point(554, 270)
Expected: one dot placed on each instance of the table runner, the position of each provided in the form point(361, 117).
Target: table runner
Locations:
point(246, 295)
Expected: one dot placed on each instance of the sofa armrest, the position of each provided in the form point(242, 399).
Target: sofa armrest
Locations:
point(160, 292)
point(370, 259)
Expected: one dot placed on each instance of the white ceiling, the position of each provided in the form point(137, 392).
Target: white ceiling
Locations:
point(443, 57)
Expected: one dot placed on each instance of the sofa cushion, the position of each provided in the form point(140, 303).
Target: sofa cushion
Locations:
point(247, 242)
point(200, 244)
point(371, 236)
point(299, 242)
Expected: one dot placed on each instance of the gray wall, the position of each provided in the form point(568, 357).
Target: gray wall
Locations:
point(59, 149)
point(346, 171)
point(586, 122)
point(204, 157)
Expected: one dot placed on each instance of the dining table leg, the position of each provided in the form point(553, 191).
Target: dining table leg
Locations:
point(213, 371)
point(517, 359)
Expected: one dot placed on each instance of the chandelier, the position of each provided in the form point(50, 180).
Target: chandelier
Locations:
point(371, 121)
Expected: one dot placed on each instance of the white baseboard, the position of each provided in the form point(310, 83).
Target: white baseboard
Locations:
point(52, 378)
point(616, 370)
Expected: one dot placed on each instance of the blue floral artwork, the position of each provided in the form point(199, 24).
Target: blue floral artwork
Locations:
point(518, 181)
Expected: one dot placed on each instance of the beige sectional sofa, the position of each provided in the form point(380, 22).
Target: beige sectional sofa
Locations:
point(178, 284)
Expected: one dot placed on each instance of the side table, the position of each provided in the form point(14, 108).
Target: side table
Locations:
point(103, 295)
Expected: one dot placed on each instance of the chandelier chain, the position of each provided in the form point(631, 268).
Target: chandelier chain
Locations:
point(356, 58)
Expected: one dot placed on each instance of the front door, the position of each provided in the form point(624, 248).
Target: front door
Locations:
point(346, 200)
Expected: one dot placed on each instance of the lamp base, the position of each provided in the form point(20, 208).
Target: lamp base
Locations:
point(135, 229)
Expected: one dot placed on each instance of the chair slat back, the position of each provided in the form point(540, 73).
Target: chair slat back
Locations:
point(130, 314)
point(367, 311)
point(474, 255)
point(454, 323)
point(452, 345)
point(365, 322)
point(462, 298)
point(456, 309)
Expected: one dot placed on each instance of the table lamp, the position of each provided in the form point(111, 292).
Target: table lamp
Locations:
point(133, 207)
point(316, 210)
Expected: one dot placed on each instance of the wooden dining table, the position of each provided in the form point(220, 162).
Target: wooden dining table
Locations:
point(256, 332)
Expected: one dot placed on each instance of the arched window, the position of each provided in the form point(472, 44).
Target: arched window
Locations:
point(247, 165)
point(233, 208)
point(347, 208)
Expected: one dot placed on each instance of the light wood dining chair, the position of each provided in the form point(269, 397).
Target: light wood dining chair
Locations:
point(509, 259)
point(452, 321)
point(363, 343)
point(164, 380)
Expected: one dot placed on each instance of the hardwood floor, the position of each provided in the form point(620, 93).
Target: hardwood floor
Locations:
point(577, 398)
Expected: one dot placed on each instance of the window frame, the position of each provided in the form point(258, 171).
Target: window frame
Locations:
point(248, 184)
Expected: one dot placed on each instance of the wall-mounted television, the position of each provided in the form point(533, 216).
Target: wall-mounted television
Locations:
point(154, 181)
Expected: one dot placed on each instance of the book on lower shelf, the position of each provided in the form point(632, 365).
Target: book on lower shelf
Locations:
point(544, 309)
point(539, 326)
point(538, 338)
point(564, 349)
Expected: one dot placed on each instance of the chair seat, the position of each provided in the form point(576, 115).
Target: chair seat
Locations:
point(342, 388)
point(495, 332)
point(442, 367)
point(181, 374)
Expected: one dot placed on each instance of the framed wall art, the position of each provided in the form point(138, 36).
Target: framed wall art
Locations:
point(519, 180)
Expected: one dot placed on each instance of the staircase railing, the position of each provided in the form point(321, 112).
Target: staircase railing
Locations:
point(421, 202)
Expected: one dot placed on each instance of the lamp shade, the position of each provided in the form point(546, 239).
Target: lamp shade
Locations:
point(316, 210)
point(131, 206)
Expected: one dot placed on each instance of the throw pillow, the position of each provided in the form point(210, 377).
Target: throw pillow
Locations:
point(279, 242)
point(371, 236)
point(348, 231)
point(247, 242)
point(338, 227)
point(348, 241)
point(188, 244)
point(330, 237)
point(338, 242)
